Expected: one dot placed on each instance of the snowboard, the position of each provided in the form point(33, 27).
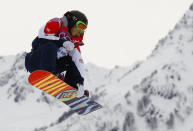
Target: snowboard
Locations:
point(57, 88)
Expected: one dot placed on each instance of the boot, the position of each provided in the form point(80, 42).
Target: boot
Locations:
point(61, 76)
point(86, 93)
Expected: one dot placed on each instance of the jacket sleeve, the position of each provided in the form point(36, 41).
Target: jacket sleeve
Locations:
point(50, 30)
point(77, 59)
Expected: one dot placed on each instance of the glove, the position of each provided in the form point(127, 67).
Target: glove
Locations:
point(61, 52)
point(68, 45)
point(80, 91)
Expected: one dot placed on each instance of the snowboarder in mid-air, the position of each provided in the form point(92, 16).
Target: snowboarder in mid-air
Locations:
point(57, 49)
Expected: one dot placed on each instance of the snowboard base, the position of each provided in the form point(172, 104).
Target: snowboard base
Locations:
point(51, 84)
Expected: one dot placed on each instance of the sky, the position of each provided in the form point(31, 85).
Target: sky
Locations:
point(120, 32)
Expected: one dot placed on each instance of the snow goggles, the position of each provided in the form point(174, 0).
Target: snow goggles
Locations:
point(81, 26)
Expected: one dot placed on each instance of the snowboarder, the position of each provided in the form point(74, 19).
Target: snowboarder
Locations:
point(56, 49)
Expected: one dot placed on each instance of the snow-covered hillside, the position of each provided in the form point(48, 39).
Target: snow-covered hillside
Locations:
point(151, 95)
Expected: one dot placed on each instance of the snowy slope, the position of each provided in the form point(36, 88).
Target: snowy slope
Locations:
point(151, 95)
point(23, 107)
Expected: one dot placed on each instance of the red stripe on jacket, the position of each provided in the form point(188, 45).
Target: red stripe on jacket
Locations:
point(54, 27)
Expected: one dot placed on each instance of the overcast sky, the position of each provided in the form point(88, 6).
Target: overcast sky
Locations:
point(119, 32)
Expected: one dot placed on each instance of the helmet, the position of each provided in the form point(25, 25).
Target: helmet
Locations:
point(74, 16)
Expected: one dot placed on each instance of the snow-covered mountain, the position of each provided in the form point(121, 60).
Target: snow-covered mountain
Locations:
point(151, 95)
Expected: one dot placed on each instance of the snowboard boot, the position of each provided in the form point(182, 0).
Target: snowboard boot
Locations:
point(61, 76)
point(86, 93)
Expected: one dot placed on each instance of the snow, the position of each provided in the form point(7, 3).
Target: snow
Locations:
point(25, 116)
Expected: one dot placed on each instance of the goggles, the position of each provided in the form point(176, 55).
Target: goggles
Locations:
point(81, 26)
